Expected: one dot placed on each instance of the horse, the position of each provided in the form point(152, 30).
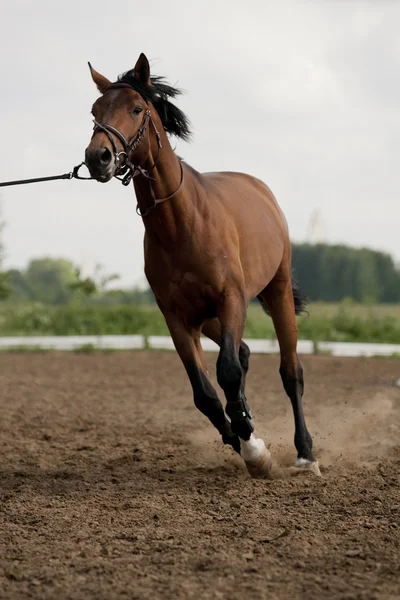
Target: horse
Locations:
point(213, 242)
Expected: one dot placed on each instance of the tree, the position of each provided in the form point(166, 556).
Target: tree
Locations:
point(19, 288)
point(96, 285)
point(49, 280)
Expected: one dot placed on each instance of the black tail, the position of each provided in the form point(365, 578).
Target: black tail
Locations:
point(300, 300)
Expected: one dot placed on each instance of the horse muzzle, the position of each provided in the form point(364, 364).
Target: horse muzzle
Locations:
point(101, 163)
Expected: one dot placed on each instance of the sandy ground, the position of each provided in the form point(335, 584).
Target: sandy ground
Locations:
point(112, 485)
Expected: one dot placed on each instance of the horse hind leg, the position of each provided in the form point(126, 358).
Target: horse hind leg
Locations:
point(252, 449)
point(278, 300)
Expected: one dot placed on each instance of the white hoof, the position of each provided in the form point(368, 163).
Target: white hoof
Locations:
point(256, 457)
point(302, 464)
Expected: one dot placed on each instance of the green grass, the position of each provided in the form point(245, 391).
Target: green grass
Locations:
point(346, 321)
point(327, 310)
point(24, 348)
point(86, 349)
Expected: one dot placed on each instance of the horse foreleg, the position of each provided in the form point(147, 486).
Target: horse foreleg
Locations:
point(188, 347)
point(212, 329)
point(231, 373)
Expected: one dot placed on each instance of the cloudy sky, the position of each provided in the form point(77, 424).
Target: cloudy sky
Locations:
point(303, 94)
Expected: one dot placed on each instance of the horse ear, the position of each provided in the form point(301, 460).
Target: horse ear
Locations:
point(142, 69)
point(101, 81)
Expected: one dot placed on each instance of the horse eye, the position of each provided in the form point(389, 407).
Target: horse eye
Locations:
point(137, 110)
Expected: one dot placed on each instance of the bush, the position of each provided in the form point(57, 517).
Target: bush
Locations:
point(345, 322)
point(39, 319)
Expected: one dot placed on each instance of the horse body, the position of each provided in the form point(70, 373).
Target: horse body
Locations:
point(215, 250)
point(213, 242)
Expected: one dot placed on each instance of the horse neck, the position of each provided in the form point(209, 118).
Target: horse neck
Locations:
point(171, 219)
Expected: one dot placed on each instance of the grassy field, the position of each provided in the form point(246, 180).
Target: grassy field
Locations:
point(363, 311)
point(326, 322)
point(346, 321)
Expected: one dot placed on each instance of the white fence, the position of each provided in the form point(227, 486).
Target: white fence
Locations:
point(74, 342)
point(137, 342)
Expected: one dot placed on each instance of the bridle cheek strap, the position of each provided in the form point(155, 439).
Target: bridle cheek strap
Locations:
point(125, 167)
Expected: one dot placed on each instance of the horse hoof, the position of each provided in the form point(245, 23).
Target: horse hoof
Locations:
point(303, 464)
point(257, 458)
point(260, 468)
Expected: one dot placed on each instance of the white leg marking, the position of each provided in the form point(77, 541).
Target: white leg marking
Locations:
point(252, 449)
point(303, 463)
point(300, 462)
point(256, 456)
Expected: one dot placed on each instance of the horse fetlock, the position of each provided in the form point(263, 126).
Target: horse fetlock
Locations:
point(241, 417)
point(303, 444)
point(243, 429)
point(231, 440)
point(238, 410)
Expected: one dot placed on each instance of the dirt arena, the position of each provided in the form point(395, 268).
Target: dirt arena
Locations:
point(112, 485)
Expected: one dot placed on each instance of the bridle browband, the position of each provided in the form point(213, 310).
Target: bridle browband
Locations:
point(127, 170)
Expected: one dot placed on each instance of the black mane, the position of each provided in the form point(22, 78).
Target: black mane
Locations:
point(174, 121)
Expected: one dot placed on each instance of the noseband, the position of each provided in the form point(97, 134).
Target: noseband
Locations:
point(128, 170)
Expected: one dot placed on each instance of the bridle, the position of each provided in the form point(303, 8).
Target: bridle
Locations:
point(125, 171)
point(126, 168)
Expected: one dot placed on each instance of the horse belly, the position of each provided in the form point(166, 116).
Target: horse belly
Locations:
point(261, 257)
point(261, 230)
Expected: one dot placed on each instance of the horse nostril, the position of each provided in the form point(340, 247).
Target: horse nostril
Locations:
point(105, 156)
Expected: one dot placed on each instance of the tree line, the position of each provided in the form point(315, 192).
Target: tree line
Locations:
point(326, 273)
point(333, 272)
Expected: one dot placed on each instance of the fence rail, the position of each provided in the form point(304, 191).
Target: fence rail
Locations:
point(138, 342)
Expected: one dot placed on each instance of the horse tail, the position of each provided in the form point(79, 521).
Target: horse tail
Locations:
point(300, 298)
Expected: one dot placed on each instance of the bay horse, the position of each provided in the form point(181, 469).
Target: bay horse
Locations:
point(212, 243)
